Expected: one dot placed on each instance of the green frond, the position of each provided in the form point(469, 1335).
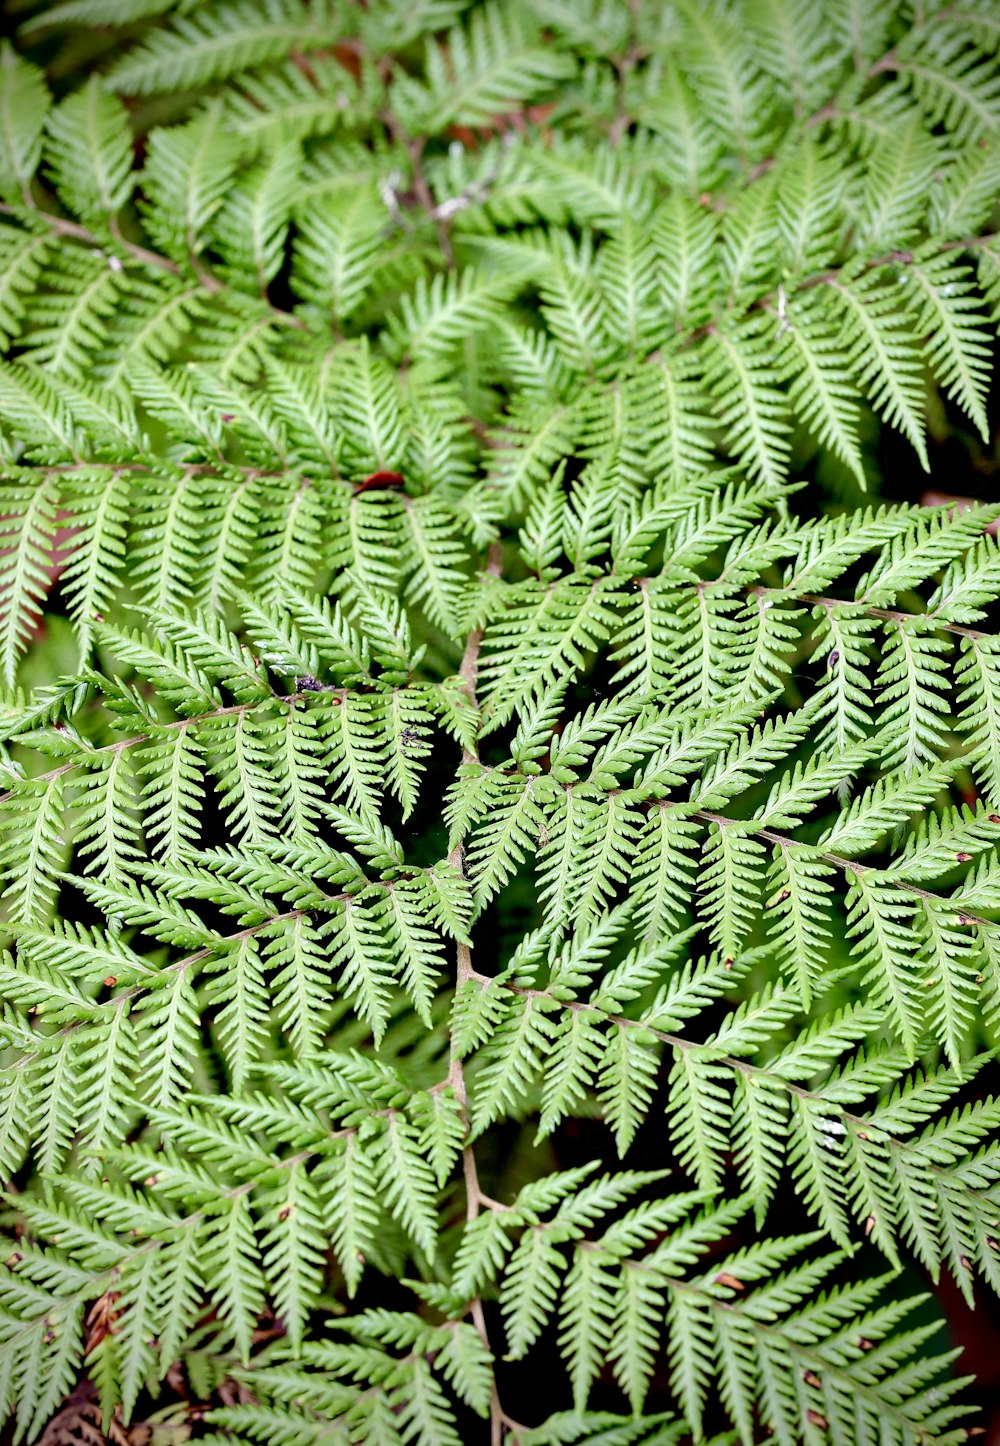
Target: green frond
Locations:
point(188, 170)
point(26, 575)
point(193, 51)
point(882, 352)
point(493, 65)
point(467, 712)
point(24, 103)
point(89, 153)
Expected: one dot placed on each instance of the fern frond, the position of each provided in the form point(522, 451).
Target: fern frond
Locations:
point(466, 709)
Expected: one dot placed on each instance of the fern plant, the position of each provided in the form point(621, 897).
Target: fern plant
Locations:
point(501, 823)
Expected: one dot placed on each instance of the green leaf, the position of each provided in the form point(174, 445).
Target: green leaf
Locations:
point(24, 103)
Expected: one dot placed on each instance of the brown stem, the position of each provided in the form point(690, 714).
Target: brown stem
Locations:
point(624, 65)
point(888, 614)
point(178, 966)
point(464, 971)
point(829, 277)
point(739, 1066)
point(784, 841)
point(421, 190)
point(73, 231)
point(109, 749)
point(221, 469)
